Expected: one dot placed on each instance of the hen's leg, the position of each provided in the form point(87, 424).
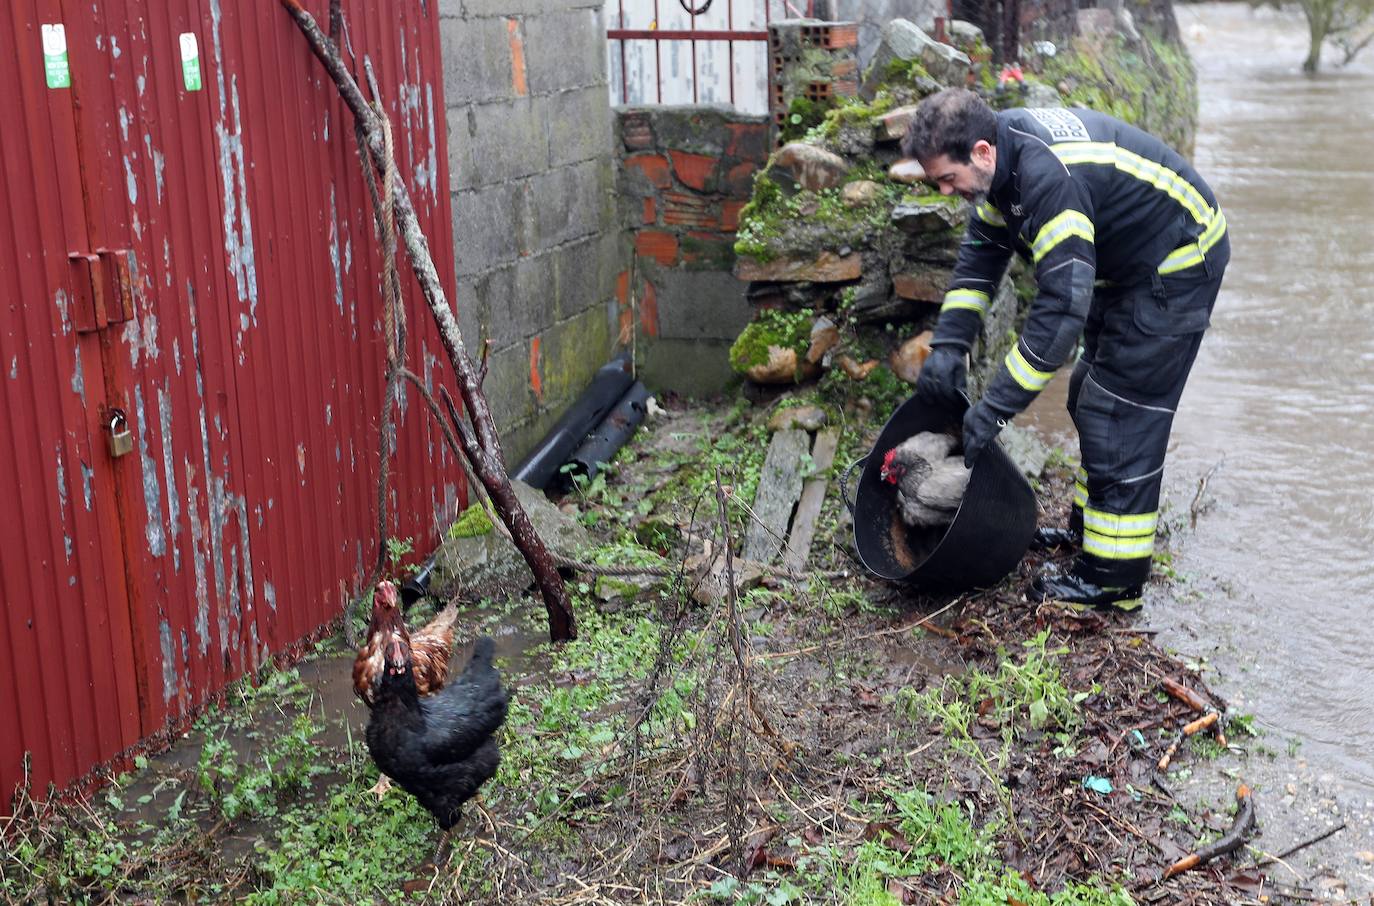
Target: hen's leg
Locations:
point(381, 787)
point(445, 850)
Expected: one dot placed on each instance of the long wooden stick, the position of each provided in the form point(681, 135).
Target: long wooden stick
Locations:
point(483, 451)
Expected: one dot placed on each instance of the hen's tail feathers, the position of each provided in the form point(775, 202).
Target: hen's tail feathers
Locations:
point(443, 620)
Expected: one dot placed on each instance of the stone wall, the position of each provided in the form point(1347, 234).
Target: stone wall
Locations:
point(872, 15)
point(684, 175)
point(532, 175)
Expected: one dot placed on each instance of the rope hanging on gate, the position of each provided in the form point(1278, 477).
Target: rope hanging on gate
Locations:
point(706, 4)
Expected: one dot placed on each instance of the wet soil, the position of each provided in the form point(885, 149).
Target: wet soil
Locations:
point(802, 734)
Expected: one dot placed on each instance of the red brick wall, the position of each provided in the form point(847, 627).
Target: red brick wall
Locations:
point(685, 173)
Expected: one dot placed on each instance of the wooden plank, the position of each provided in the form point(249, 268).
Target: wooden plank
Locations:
point(813, 495)
point(780, 486)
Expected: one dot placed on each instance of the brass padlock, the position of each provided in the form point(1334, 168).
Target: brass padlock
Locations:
point(120, 437)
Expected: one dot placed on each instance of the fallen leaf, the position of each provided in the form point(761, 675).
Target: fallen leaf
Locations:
point(886, 833)
point(900, 892)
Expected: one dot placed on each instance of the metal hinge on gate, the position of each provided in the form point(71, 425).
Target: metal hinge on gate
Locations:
point(103, 288)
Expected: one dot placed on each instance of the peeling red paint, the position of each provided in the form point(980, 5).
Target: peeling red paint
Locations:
point(144, 584)
point(518, 80)
point(648, 310)
point(536, 381)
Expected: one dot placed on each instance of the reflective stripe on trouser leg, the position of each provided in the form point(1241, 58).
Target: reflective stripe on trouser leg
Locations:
point(1140, 343)
point(1123, 449)
point(1080, 500)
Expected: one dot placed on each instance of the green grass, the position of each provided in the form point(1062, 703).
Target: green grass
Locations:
point(913, 836)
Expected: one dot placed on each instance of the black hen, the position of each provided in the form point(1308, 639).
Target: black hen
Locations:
point(438, 748)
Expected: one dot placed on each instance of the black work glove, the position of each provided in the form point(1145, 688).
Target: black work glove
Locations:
point(943, 380)
point(982, 422)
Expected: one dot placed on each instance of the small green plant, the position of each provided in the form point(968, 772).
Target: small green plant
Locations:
point(1030, 693)
point(286, 765)
point(396, 550)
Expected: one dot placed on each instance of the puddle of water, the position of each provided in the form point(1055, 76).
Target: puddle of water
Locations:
point(331, 701)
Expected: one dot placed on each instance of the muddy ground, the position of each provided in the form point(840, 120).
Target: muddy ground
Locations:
point(824, 739)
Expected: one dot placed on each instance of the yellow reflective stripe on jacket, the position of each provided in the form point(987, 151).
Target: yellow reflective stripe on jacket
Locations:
point(970, 299)
point(1062, 226)
point(1156, 174)
point(1118, 525)
point(1080, 488)
point(990, 215)
point(1026, 374)
point(1186, 256)
point(1117, 548)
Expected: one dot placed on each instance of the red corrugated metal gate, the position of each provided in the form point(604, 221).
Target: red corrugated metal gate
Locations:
point(187, 238)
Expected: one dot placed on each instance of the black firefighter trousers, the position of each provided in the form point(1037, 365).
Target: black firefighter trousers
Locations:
point(1139, 344)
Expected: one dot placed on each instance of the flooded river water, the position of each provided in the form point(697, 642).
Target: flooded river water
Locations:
point(1278, 590)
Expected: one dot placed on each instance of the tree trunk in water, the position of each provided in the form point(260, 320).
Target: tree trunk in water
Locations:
point(481, 444)
point(1317, 27)
point(1314, 56)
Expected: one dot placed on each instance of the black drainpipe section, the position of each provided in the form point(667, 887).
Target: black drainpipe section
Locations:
point(595, 426)
point(541, 466)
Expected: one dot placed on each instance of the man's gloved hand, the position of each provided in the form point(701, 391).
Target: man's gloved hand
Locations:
point(944, 378)
point(981, 424)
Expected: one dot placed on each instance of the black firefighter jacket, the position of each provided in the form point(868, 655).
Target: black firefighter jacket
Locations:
point(1084, 197)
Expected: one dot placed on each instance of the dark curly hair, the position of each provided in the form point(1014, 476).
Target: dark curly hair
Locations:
point(949, 122)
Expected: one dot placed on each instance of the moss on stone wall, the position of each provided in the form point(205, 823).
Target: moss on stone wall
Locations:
point(473, 522)
point(775, 224)
point(1149, 83)
point(783, 329)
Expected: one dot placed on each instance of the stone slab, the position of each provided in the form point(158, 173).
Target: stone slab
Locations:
point(780, 487)
point(827, 267)
point(812, 497)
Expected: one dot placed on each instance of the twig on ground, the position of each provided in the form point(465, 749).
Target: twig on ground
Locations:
point(1184, 694)
point(1196, 507)
point(1297, 847)
point(1231, 841)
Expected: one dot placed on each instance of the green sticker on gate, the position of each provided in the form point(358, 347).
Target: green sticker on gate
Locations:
point(55, 68)
point(190, 61)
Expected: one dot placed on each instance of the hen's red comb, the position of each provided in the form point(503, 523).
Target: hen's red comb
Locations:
point(885, 473)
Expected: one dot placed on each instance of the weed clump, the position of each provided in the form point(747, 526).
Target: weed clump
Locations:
point(783, 329)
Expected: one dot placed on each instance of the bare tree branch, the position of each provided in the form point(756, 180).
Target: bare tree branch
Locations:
point(482, 445)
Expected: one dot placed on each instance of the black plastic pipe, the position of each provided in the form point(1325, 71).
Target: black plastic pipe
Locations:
point(614, 432)
point(542, 464)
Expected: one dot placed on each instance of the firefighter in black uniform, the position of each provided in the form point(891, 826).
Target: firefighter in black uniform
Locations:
point(1128, 246)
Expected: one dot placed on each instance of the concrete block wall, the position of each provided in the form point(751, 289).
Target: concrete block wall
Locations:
point(684, 175)
point(536, 239)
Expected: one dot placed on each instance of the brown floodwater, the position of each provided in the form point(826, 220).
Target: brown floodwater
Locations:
point(1278, 573)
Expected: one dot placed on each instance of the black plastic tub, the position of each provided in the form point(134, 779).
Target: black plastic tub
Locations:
point(991, 529)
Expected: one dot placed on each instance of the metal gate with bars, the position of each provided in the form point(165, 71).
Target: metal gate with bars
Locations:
point(694, 51)
point(188, 274)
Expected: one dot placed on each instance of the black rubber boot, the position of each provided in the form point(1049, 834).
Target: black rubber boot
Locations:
point(1074, 589)
point(1048, 538)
